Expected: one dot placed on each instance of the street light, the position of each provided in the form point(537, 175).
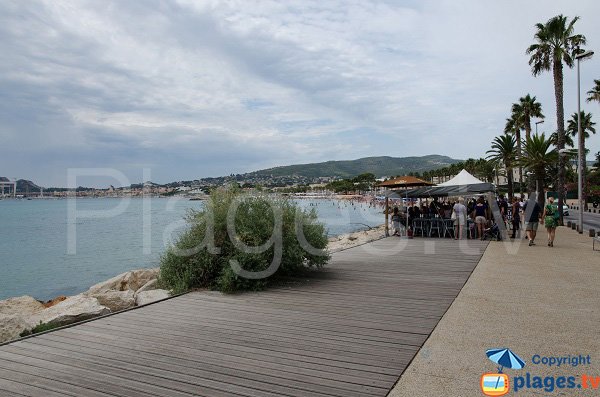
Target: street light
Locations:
point(536, 124)
point(579, 57)
point(537, 186)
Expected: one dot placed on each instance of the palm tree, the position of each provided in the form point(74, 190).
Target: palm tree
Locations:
point(527, 108)
point(504, 150)
point(538, 156)
point(568, 139)
point(594, 93)
point(587, 126)
point(513, 126)
point(556, 43)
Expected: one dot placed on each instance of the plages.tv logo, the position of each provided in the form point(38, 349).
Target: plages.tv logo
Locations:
point(498, 383)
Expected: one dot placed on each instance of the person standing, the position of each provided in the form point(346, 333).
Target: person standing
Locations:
point(532, 215)
point(480, 214)
point(460, 213)
point(550, 218)
point(515, 217)
point(396, 222)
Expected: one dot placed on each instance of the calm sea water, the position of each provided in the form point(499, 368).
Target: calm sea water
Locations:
point(37, 257)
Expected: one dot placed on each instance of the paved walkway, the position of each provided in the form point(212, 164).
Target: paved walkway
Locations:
point(533, 300)
point(350, 330)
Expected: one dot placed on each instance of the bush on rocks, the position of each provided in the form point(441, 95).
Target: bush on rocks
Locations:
point(262, 241)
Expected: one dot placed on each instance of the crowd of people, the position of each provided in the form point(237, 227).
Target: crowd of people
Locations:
point(475, 217)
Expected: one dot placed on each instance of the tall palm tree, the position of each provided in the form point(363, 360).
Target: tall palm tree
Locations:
point(594, 93)
point(504, 150)
point(555, 43)
point(514, 124)
point(587, 127)
point(538, 156)
point(527, 108)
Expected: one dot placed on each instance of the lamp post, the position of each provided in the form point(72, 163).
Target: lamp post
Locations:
point(537, 184)
point(581, 155)
point(536, 124)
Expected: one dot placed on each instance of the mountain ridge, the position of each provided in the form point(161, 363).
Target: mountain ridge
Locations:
point(379, 165)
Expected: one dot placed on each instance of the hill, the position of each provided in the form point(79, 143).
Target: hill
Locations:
point(380, 166)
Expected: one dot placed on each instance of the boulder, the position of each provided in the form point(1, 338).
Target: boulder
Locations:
point(131, 280)
point(150, 285)
point(116, 300)
point(11, 326)
point(145, 297)
point(23, 306)
point(73, 309)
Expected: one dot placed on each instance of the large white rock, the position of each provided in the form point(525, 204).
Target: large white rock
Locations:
point(22, 305)
point(116, 300)
point(149, 286)
point(131, 280)
point(73, 309)
point(145, 297)
point(11, 326)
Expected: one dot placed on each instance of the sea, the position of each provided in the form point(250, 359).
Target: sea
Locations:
point(52, 247)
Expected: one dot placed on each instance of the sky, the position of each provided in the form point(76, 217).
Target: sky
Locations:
point(182, 89)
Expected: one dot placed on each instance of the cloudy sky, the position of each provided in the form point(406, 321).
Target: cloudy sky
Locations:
point(190, 89)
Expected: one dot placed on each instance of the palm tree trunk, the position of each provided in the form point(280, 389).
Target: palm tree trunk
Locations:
point(530, 181)
point(560, 120)
point(509, 177)
point(540, 182)
point(518, 135)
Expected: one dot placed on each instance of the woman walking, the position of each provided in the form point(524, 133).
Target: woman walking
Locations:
point(516, 217)
point(550, 218)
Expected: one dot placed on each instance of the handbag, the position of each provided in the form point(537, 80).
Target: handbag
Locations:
point(453, 216)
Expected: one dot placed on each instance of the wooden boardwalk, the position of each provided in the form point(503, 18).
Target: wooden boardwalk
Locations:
point(350, 331)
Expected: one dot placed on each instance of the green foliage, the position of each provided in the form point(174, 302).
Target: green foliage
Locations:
point(41, 327)
point(191, 264)
point(379, 166)
point(587, 125)
point(594, 93)
point(481, 168)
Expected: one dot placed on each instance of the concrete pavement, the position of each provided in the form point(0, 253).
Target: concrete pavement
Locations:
point(534, 300)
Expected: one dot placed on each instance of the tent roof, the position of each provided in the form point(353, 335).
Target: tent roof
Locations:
point(461, 179)
point(404, 181)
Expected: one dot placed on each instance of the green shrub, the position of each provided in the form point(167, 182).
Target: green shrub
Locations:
point(201, 257)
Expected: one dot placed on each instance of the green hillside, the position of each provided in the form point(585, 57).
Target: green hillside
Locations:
point(380, 166)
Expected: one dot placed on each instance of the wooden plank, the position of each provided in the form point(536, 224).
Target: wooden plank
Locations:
point(347, 330)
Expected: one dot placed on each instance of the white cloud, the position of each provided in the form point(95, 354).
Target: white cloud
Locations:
point(262, 83)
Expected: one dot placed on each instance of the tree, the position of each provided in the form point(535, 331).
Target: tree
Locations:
point(597, 163)
point(555, 43)
point(587, 127)
point(568, 140)
point(209, 255)
point(504, 150)
point(538, 156)
point(527, 108)
point(594, 93)
point(514, 124)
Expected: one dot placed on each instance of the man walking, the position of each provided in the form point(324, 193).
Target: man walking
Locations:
point(532, 216)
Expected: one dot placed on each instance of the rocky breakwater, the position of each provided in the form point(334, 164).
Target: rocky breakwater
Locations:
point(23, 315)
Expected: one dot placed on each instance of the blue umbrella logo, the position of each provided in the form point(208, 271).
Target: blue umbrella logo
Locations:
point(505, 358)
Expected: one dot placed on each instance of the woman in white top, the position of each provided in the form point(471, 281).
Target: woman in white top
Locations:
point(460, 221)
